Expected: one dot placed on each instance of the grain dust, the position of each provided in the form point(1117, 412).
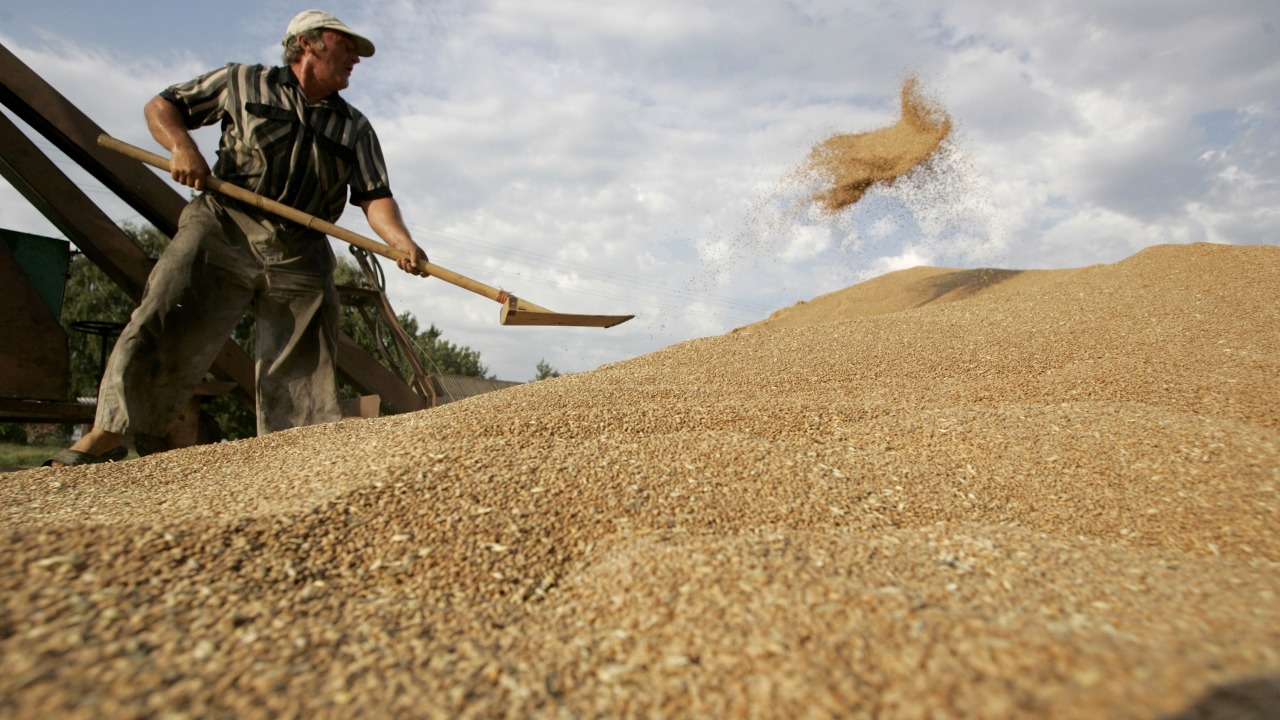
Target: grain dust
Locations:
point(851, 164)
point(940, 493)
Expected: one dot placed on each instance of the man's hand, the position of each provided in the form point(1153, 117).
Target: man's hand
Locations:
point(188, 166)
point(414, 257)
point(385, 219)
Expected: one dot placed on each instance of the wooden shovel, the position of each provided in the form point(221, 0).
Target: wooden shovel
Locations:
point(514, 310)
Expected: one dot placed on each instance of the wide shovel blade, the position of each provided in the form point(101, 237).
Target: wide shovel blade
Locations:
point(510, 316)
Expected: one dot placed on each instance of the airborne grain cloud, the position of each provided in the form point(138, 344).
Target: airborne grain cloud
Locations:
point(850, 164)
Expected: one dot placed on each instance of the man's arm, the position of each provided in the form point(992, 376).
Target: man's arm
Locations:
point(186, 165)
point(385, 219)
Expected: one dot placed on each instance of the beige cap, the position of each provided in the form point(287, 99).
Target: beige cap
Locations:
point(318, 19)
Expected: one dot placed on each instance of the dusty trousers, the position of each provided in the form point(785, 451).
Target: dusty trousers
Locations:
point(223, 261)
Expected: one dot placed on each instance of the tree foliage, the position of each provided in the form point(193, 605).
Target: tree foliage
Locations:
point(91, 296)
point(436, 353)
point(545, 371)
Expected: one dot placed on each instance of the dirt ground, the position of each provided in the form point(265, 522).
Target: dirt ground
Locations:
point(939, 493)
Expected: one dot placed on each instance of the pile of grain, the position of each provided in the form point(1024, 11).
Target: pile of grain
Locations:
point(850, 164)
point(936, 494)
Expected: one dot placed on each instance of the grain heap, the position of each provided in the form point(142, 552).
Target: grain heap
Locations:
point(850, 164)
point(938, 493)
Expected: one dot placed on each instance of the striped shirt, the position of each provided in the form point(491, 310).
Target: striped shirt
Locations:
point(280, 146)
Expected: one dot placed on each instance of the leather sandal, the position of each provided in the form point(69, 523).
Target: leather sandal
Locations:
point(71, 458)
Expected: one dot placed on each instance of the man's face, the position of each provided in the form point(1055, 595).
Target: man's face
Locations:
point(335, 61)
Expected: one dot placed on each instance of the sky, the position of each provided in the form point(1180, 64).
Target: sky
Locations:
point(642, 157)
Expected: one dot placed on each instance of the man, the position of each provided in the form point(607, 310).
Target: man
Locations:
point(288, 135)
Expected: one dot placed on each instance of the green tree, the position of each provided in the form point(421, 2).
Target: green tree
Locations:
point(437, 354)
point(545, 371)
point(15, 433)
point(445, 356)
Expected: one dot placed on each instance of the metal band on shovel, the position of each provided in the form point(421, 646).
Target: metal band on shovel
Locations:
point(514, 311)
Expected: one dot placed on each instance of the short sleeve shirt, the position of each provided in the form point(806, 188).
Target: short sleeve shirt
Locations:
point(279, 145)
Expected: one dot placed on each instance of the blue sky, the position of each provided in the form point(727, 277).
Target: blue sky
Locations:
point(640, 157)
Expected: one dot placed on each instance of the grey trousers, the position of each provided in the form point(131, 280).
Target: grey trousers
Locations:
point(222, 262)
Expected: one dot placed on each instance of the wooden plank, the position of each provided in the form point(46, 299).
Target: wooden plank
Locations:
point(42, 107)
point(365, 406)
point(69, 210)
point(28, 411)
point(369, 377)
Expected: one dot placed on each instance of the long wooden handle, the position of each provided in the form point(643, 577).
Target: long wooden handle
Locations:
point(314, 223)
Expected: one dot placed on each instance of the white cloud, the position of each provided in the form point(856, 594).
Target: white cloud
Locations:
point(806, 242)
point(909, 257)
